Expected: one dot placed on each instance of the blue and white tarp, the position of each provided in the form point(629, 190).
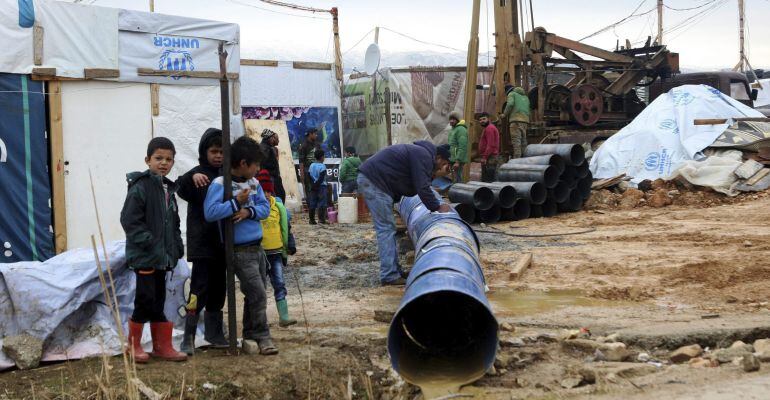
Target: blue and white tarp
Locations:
point(660, 139)
point(61, 302)
point(25, 226)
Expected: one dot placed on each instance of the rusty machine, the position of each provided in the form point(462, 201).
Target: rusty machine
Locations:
point(574, 86)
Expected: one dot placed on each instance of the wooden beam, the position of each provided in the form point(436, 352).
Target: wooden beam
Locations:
point(56, 139)
point(758, 176)
point(469, 104)
point(720, 121)
point(94, 73)
point(259, 63)
point(311, 65)
point(54, 78)
point(155, 99)
point(586, 49)
point(41, 71)
point(521, 265)
point(187, 74)
point(236, 95)
point(37, 44)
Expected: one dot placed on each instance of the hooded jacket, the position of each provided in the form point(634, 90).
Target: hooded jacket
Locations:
point(202, 236)
point(517, 106)
point(404, 170)
point(151, 223)
point(270, 163)
point(458, 143)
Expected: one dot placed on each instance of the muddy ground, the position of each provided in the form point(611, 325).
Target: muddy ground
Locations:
point(658, 277)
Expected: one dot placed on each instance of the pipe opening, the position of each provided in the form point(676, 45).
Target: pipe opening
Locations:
point(507, 196)
point(490, 216)
point(549, 208)
point(483, 198)
point(577, 155)
point(443, 336)
point(466, 212)
point(560, 192)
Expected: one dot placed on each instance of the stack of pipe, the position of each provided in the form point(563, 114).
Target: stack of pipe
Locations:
point(550, 178)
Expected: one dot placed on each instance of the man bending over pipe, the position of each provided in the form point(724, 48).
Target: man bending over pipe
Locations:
point(393, 172)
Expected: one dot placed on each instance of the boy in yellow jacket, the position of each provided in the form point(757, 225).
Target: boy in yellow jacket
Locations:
point(278, 243)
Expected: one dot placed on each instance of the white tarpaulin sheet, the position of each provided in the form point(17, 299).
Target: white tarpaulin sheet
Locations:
point(16, 56)
point(61, 302)
point(287, 86)
point(763, 94)
point(172, 43)
point(664, 136)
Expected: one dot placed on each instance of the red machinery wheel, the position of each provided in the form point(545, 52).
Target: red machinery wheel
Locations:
point(586, 104)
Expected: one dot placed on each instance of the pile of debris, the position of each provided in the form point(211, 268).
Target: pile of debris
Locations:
point(549, 179)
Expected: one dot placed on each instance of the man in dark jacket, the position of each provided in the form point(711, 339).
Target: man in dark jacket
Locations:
point(208, 286)
point(269, 147)
point(393, 172)
point(306, 155)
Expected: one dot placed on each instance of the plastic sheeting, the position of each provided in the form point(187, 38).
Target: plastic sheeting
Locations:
point(664, 136)
point(286, 86)
point(61, 302)
point(16, 56)
point(715, 172)
point(25, 225)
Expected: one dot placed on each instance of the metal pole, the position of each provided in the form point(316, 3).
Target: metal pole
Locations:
point(660, 22)
point(232, 323)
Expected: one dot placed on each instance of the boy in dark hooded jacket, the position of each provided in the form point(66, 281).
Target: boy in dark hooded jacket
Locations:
point(150, 219)
point(204, 249)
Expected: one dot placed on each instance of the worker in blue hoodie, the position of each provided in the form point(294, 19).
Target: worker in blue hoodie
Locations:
point(393, 172)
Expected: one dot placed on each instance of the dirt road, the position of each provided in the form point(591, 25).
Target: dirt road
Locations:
point(649, 275)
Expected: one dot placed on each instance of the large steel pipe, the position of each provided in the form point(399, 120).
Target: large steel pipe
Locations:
point(560, 192)
point(549, 208)
point(480, 197)
point(548, 159)
point(582, 170)
point(545, 174)
point(569, 176)
point(573, 203)
point(520, 210)
point(505, 194)
point(465, 211)
point(573, 154)
point(584, 187)
point(535, 192)
point(489, 216)
point(444, 330)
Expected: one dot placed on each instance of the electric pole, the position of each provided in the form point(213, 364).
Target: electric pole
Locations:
point(741, 66)
point(660, 22)
point(469, 105)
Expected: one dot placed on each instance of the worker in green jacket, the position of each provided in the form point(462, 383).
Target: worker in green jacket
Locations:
point(458, 144)
point(516, 111)
point(349, 170)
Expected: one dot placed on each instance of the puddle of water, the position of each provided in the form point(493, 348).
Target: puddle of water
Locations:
point(528, 302)
point(377, 330)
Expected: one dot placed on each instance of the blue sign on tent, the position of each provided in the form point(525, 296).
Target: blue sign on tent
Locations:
point(25, 226)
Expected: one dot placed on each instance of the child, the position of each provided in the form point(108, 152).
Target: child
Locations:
point(247, 207)
point(278, 243)
point(207, 287)
point(150, 219)
point(349, 170)
point(317, 192)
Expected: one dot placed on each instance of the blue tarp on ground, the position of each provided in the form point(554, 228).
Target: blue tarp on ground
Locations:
point(25, 225)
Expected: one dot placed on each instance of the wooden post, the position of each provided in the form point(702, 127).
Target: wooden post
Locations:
point(152, 5)
point(57, 166)
point(507, 60)
point(338, 66)
point(232, 323)
point(469, 106)
point(660, 22)
point(388, 126)
point(741, 66)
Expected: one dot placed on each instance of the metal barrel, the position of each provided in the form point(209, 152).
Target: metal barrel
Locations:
point(549, 208)
point(560, 192)
point(489, 216)
point(505, 194)
point(444, 328)
point(535, 192)
point(465, 211)
point(573, 203)
point(548, 159)
point(545, 174)
point(584, 186)
point(573, 154)
point(582, 170)
point(480, 197)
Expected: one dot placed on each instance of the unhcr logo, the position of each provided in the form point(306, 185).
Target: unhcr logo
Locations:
point(176, 60)
point(670, 125)
point(652, 161)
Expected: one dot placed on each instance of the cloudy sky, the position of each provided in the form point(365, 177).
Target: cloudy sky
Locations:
point(704, 32)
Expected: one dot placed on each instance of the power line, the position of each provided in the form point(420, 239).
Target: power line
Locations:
point(688, 23)
point(626, 19)
point(274, 11)
point(359, 41)
point(691, 8)
point(420, 41)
